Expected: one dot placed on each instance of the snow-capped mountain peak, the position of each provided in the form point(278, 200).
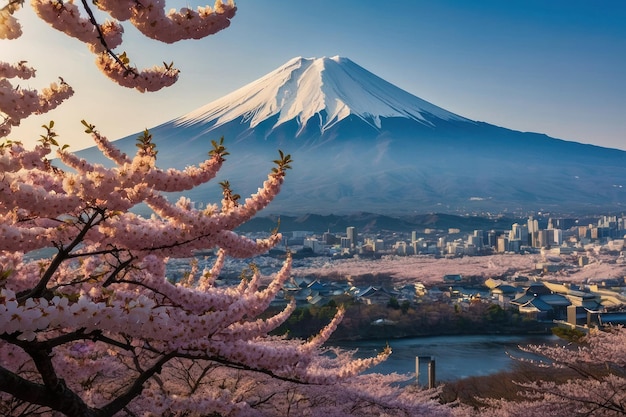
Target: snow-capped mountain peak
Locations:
point(365, 145)
point(324, 89)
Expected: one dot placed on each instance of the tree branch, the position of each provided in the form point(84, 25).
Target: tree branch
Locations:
point(135, 389)
point(53, 393)
point(108, 50)
point(64, 252)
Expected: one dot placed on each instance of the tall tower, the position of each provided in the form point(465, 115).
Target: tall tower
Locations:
point(533, 229)
point(351, 234)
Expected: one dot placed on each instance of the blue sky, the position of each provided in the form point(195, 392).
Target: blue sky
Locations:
point(554, 67)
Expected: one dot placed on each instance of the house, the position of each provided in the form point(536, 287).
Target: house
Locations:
point(327, 289)
point(540, 303)
point(504, 293)
point(373, 295)
point(318, 286)
point(409, 292)
point(302, 282)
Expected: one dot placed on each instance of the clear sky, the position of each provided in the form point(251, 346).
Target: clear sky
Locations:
point(550, 66)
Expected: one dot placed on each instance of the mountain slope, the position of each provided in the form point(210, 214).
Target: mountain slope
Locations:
point(361, 144)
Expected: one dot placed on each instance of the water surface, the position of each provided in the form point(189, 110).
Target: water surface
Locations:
point(456, 357)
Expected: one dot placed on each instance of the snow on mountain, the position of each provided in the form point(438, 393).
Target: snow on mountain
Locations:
point(360, 143)
point(324, 89)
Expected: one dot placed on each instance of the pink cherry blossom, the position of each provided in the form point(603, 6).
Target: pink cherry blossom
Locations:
point(102, 296)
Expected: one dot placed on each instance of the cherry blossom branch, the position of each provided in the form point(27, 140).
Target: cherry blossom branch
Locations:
point(101, 36)
point(63, 253)
point(16, 103)
point(135, 389)
point(150, 18)
point(66, 400)
point(241, 366)
point(35, 393)
point(113, 275)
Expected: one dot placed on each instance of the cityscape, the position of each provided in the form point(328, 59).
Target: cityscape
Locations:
point(549, 269)
point(560, 236)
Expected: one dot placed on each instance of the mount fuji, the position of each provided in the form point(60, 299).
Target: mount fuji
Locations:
point(360, 143)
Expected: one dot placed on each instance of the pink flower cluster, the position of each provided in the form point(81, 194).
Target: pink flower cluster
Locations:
point(66, 17)
point(10, 28)
point(148, 16)
point(19, 70)
point(17, 104)
point(150, 79)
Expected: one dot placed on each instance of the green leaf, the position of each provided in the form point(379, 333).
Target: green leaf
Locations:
point(90, 127)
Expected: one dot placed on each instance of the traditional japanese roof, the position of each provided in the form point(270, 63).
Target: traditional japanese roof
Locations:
point(613, 318)
point(523, 299)
point(317, 286)
point(367, 292)
point(506, 289)
point(555, 299)
point(537, 304)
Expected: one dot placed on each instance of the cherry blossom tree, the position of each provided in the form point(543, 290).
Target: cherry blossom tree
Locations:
point(597, 386)
point(90, 324)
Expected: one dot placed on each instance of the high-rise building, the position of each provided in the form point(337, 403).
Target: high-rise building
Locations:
point(351, 234)
point(542, 239)
point(475, 241)
point(502, 244)
point(533, 229)
point(329, 238)
point(479, 240)
point(401, 248)
point(557, 237)
point(519, 232)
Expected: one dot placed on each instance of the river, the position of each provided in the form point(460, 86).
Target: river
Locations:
point(456, 357)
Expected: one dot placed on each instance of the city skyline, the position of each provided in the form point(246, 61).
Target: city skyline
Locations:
point(552, 68)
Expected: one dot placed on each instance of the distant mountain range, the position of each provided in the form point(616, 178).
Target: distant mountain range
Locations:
point(361, 144)
point(371, 223)
point(374, 223)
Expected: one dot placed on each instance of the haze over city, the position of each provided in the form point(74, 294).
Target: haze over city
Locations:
point(550, 67)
